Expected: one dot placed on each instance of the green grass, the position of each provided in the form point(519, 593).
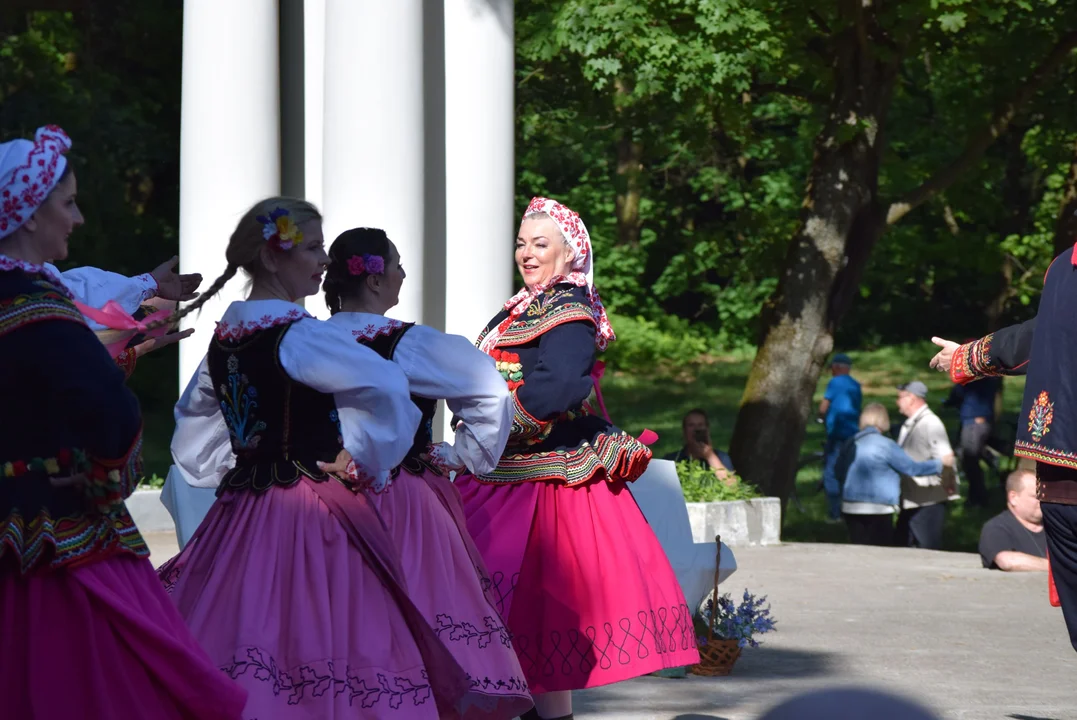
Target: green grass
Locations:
point(659, 401)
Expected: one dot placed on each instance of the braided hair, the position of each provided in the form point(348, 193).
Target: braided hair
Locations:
point(339, 282)
point(244, 249)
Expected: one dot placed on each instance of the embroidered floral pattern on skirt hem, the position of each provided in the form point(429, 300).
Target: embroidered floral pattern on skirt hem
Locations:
point(276, 592)
point(367, 688)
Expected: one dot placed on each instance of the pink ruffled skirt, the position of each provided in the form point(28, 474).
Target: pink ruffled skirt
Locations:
point(588, 593)
point(103, 641)
point(277, 590)
point(444, 575)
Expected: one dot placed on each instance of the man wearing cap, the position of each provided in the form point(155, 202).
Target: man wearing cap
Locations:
point(923, 499)
point(840, 410)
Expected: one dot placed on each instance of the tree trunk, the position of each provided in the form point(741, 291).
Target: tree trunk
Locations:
point(629, 179)
point(840, 223)
point(1066, 226)
point(1017, 198)
point(629, 189)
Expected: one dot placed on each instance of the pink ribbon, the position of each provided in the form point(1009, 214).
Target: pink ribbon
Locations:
point(114, 317)
point(597, 372)
point(647, 437)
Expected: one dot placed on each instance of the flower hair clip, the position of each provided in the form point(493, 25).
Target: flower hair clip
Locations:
point(359, 264)
point(280, 230)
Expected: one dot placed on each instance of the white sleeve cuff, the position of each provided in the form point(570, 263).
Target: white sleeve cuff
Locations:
point(149, 285)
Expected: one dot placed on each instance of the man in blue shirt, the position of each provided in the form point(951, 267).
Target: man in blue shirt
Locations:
point(840, 410)
point(976, 406)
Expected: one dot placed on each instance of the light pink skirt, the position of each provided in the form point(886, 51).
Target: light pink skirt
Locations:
point(277, 591)
point(444, 576)
point(587, 590)
point(103, 641)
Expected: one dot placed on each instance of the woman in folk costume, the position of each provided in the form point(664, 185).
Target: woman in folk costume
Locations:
point(421, 508)
point(291, 583)
point(113, 305)
point(88, 632)
point(588, 594)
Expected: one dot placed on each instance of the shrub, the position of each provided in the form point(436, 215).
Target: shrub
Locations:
point(700, 484)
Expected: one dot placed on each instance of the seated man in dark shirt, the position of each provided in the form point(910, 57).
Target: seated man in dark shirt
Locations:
point(1014, 539)
point(698, 445)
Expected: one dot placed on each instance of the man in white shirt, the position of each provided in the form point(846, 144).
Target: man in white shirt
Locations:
point(923, 499)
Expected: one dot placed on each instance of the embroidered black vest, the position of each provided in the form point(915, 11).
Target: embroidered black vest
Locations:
point(279, 428)
point(384, 344)
point(1047, 429)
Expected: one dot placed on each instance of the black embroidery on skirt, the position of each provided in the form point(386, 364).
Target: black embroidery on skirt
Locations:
point(396, 689)
point(577, 650)
point(467, 632)
point(498, 589)
point(512, 685)
point(171, 576)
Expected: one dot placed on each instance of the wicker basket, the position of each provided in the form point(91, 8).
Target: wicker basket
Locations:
point(717, 655)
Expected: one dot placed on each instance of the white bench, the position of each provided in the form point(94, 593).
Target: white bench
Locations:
point(658, 494)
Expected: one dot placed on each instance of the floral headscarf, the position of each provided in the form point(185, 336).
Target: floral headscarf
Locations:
point(28, 173)
point(582, 275)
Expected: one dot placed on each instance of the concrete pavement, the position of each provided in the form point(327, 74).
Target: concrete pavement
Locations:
point(973, 644)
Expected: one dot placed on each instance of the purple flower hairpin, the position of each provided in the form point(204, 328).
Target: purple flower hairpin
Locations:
point(359, 264)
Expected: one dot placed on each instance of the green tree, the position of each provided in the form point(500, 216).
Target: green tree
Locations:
point(847, 210)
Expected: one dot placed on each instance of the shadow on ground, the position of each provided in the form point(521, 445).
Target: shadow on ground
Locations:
point(776, 662)
point(710, 698)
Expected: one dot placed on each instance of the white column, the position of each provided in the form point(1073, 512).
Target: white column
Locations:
point(373, 141)
point(314, 95)
point(229, 142)
point(480, 219)
point(479, 164)
point(314, 121)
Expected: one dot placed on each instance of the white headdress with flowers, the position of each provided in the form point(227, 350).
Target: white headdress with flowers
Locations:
point(582, 275)
point(28, 173)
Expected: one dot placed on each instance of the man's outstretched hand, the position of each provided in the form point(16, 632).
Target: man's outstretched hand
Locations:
point(942, 359)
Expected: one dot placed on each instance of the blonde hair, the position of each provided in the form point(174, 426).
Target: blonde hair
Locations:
point(244, 248)
point(877, 416)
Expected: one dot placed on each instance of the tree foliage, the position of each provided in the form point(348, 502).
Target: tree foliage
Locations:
point(708, 110)
point(784, 175)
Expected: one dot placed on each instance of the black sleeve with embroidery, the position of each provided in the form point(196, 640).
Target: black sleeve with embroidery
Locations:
point(1004, 352)
point(561, 379)
point(86, 385)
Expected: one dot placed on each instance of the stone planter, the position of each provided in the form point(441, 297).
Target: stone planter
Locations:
point(148, 512)
point(739, 522)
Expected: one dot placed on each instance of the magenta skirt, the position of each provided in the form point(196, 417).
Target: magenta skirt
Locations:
point(103, 641)
point(588, 593)
point(297, 594)
point(445, 576)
